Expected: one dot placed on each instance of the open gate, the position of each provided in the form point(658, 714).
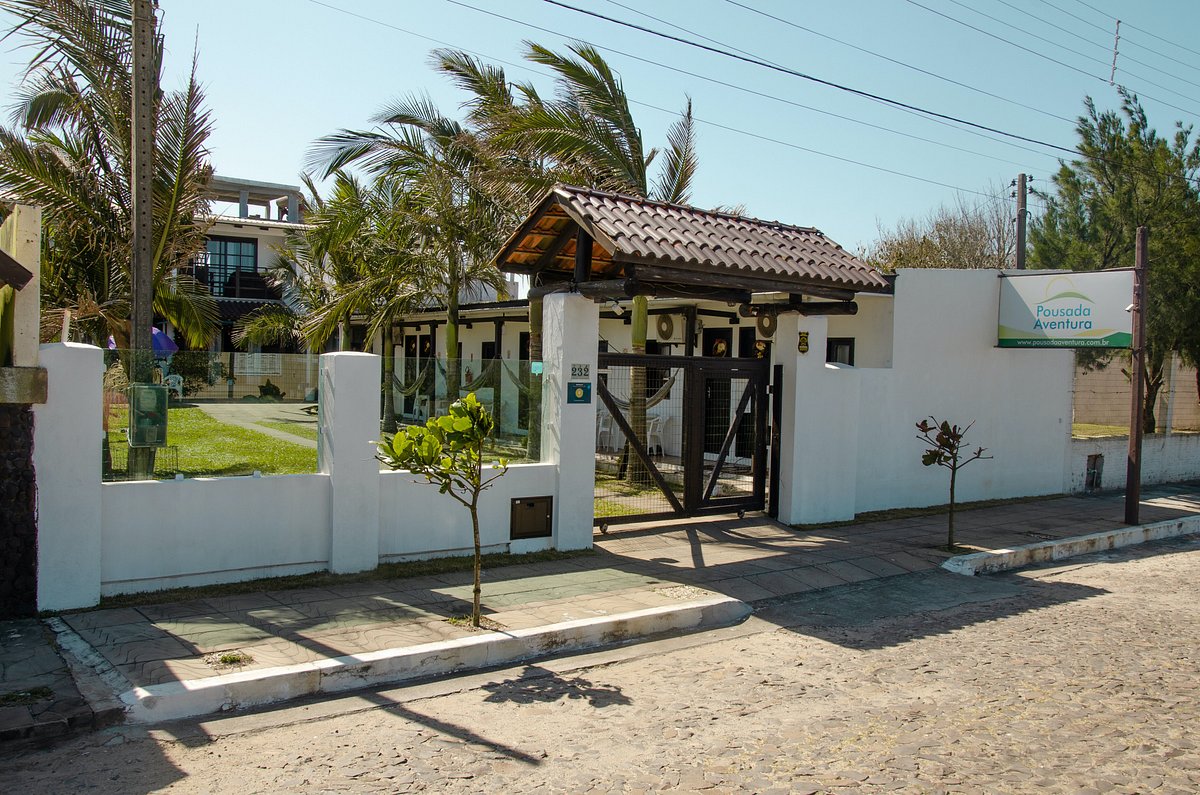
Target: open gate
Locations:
point(680, 436)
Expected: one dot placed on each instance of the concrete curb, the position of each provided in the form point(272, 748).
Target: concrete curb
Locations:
point(1005, 559)
point(244, 689)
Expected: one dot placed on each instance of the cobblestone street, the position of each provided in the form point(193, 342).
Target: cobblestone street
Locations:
point(1077, 678)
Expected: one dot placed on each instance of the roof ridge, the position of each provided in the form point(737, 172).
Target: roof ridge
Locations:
point(689, 208)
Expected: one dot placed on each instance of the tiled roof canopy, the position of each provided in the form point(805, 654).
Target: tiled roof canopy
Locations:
point(668, 243)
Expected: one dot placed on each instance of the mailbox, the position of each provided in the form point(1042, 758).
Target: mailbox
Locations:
point(147, 415)
point(532, 517)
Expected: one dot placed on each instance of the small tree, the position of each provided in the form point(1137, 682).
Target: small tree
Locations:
point(946, 450)
point(448, 451)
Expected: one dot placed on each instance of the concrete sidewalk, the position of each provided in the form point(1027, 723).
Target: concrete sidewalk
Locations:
point(164, 660)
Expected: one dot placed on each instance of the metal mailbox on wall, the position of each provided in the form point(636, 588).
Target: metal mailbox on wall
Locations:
point(147, 415)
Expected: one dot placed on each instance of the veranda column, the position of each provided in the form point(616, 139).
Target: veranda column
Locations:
point(349, 423)
point(68, 432)
point(570, 331)
point(819, 434)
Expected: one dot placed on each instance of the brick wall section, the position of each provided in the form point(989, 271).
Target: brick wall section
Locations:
point(1102, 397)
point(18, 525)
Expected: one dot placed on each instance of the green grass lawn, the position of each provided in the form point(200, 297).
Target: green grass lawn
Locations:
point(1089, 430)
point(207, 448)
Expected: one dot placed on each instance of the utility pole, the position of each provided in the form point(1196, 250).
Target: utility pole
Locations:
point(1021, 216)
point(1133, 470)
point(142, 173)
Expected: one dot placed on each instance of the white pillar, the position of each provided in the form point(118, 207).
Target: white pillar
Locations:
point(349, 429)
point(819, 438)
point(570, 331)
point(68, 432)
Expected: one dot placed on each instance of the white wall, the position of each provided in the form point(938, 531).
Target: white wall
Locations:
point(116, 538)
point(172, 533)
point(415, 520)
point(946, 364)
point(1166, 458)
point(853, 446)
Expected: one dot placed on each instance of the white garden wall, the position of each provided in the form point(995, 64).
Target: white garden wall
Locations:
point(103, 539)
point(173, 533)
point(416, 521)
point(1166, 458)
point(944, 362)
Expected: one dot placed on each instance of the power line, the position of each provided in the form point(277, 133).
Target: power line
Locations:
point(651, 106)
point(794, 73)
point(1127, 40)
point(1042, 55)
point(1077, 52)
point(894, 61)
point(793, 103)
point(1141, 30)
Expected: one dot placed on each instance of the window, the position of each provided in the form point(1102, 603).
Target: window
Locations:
point(840, 350)
point(230, 268)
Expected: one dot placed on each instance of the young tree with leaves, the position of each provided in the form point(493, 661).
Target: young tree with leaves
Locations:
point(946, 449)
point(448, 452)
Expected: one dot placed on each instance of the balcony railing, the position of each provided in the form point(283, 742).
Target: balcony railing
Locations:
point(226, 282)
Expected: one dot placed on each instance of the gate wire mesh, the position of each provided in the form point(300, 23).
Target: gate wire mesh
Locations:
point(722, 399)
point(650, 400)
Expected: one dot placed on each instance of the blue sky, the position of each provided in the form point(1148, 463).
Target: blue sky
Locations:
point(280, 74)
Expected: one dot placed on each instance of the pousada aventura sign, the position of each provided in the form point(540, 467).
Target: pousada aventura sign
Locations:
point(1066, 309)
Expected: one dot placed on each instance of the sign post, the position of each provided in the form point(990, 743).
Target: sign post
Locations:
point(1133, 469)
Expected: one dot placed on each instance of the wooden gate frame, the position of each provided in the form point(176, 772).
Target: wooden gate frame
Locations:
point(697, 494)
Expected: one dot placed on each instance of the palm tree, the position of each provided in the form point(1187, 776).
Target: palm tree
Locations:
point(70, 154)
point(313, 264)
point(585, 135)
point(390, 269)
point(461, 223)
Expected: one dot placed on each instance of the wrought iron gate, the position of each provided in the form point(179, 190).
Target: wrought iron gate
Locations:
point(680, 436)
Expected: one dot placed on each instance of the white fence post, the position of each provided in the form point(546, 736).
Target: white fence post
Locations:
point(819, 440)
point(349, 422)
point(570, 330)
point(68, 434)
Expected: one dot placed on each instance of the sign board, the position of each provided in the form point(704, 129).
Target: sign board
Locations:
point(581, 371)
point(579, 391)
point(1066, 309)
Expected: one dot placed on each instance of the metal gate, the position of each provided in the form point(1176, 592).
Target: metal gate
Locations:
point(680, 436)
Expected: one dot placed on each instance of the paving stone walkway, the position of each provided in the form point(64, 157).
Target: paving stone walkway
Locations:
point(754, 559)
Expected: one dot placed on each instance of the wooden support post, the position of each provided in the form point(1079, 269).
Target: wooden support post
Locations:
point(1133, 470)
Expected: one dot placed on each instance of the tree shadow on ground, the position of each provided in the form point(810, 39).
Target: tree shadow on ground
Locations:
point(537, 685)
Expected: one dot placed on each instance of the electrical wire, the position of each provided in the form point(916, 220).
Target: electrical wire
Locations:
point(1126, 39)
point(1077, 52)
point(895, 61)
point(1105, 47)
point(793, 72)
point(717, 125)
point(1140, 30)
point(1031, 51)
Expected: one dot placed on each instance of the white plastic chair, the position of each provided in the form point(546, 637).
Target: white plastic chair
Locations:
point(654, 429)
point(174, 383)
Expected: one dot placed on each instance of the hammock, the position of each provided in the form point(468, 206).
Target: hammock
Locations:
point(488, 378)
point(418, 385)
point(653, 400)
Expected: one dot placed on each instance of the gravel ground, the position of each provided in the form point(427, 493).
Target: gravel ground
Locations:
point(1079, 678)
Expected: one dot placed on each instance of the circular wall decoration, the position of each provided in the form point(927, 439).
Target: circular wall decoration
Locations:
point(767, 324)
point(666, 327)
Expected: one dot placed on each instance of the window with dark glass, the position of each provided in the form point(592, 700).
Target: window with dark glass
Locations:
point(230, 268)
point(840, 350)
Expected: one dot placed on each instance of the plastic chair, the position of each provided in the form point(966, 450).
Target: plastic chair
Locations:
point(654, 439)
point(174, 383)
